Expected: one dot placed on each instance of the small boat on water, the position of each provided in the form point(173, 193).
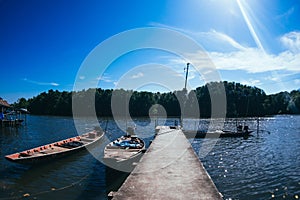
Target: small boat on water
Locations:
point(123, 152)
point(240, 132)
point(56, 149)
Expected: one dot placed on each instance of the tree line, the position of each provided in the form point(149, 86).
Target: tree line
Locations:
point(241, 101)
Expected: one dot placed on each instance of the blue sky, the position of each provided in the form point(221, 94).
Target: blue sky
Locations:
point(43, 43)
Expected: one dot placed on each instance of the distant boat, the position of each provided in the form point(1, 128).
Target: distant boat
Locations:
point(13, 118)
point(23, 110)
point(123, 151)
point(240, 132)
point(56, 149)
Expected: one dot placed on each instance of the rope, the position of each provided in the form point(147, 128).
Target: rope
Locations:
point(47, 191)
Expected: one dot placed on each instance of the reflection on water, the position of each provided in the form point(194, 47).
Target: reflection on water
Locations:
point(262, 167)
point(256, 168)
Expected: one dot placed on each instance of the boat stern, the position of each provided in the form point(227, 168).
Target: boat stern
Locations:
point(12, 157)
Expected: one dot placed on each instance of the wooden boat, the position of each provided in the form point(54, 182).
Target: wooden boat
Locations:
point(240, 132)
point(56, 149)
point(123, 152)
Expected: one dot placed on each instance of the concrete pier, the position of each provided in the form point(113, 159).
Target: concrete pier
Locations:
point(170, 169)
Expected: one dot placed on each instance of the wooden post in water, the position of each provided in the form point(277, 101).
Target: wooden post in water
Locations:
point(2, 113)
point(257, 125)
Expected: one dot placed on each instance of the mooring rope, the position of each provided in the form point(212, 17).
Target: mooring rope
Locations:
point(47, 191)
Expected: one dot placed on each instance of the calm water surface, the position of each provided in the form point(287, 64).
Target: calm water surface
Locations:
point(74, 177)
point(261, 167)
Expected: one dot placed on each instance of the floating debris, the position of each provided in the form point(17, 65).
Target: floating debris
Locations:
point(26, 195)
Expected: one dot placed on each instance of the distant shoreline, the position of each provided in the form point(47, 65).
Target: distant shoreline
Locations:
point(241, 101)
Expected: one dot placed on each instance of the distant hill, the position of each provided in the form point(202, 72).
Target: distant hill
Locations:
point(242, 101)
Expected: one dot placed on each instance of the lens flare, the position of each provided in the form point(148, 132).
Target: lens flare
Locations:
point(250, 26)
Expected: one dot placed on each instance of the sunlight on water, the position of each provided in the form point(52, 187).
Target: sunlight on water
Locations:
point(262, 167)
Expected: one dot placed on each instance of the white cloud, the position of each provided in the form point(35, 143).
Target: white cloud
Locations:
point(297, 81)
point(192, 74)
point(251, 82)
point(226, 38)
point(104, 78)
point(40, 83)
point(254, 60)
point(291, 41)
point(81, 77)
point(287, 14)
point(138, 75)
point(227, 54)
point(273, 78)
point(54, 84)
point(251, 60)
point(211, 39)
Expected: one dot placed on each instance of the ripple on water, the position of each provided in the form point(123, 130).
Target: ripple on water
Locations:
point(256, 168)
point(259, 167)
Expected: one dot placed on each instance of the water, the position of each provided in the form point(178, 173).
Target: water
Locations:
point(74, 177)
point(261, 167)
point(266, 166)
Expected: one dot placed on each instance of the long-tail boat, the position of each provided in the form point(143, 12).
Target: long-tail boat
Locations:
point(240, 132)
point(56, 149)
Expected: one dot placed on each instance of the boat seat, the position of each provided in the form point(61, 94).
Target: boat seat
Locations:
point(86, 140)
point(23, 154)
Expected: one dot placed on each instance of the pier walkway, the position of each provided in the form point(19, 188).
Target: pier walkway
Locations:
point(169, 170)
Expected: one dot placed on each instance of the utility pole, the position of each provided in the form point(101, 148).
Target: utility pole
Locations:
point(185, 91)
point(186, 75)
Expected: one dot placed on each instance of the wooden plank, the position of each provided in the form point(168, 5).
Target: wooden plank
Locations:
point(169, 170)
